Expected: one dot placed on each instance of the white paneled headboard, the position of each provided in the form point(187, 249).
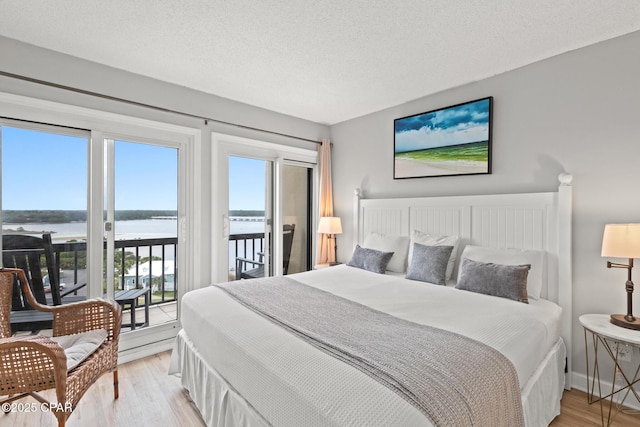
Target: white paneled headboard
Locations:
point(539, 221)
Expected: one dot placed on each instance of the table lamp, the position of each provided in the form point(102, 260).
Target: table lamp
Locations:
point(623, 241)
point(331, 225)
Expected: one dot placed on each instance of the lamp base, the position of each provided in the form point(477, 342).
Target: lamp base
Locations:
point(619, 320)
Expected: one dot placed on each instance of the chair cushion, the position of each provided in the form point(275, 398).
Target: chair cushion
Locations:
point(78, 347)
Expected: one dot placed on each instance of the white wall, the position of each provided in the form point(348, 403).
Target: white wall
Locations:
point(38, 63)
point(578, 112)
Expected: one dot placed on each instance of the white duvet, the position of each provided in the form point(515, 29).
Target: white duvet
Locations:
point(291, 383)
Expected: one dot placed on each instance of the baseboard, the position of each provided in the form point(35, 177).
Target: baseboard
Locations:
point(579, 382)
point(145, 350)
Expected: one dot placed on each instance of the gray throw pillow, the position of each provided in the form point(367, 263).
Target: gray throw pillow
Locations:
point(429, 263)
point(506, 281)
point(370, 259)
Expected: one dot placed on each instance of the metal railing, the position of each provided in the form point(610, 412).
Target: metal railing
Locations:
point(247, 245)
point(130, 249)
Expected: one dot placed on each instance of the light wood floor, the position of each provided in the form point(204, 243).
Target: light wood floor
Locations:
point(150, 397)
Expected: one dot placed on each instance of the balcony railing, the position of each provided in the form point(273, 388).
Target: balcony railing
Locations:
point(163, 289)
point(247, 245)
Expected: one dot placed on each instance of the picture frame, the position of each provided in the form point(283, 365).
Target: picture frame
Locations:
point(450, 141)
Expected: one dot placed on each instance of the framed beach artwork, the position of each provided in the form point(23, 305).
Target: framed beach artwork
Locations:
point(450, 141)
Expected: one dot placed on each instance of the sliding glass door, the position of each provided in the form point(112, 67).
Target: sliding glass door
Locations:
point(297, 185)
point(250, 217)
point(44, 192)
point(262, 195)
point(141, 230)
point(119, 197)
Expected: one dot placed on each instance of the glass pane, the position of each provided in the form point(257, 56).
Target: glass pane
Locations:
point(145, 231)
point(44, 190)
point(249, 217)
point(296, 211)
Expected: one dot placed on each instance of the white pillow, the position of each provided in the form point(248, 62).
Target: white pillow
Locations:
point(78, 347)
point(512, 257)
point(399, 245)
point(427, 239)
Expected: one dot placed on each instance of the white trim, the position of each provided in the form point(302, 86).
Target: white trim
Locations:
point(110, 233)
point(47, 128)
point(147, 341)
point(103, 124)
point(277, 216)
point(579, 382)
point(70, 115)
point(262, 149)
point(190, 221)
point(147, 350)
point(95, 203)
point(224, 145)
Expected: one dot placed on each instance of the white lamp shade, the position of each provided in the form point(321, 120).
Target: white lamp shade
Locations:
point(621, 241)
point(330, 225)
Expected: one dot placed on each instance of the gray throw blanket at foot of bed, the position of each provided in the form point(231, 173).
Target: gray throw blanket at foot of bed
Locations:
point(452, 379)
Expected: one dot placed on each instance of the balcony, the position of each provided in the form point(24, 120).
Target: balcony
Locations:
point(72, 257)
point(247, 245)
point(161, 280)
point(140, 263)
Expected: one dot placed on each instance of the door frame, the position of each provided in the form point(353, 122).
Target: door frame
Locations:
point(229, 145)
point(151, 340)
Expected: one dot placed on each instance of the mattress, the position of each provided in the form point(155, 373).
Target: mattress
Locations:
point(288, 382)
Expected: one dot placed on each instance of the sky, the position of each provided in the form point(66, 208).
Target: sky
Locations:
point(462, 124)
point(246, 183)
point(48, 171)
point(146, 177)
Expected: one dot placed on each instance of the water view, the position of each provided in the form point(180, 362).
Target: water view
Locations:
point(129, 230)
point(133, 229)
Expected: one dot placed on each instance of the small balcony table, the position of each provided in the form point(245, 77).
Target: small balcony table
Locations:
point(129, 297)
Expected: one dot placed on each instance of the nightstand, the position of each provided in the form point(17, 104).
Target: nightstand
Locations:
point(619, 344)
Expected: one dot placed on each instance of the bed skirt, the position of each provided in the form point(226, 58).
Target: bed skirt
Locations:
point(221, 406)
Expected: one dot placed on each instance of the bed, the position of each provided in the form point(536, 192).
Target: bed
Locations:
point(243, 368)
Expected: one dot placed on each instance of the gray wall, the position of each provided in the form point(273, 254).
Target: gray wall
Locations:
point(577, 112)
point(38, 63)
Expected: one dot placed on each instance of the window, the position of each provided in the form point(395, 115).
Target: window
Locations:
point(262, 204)
point(70, 163)
point(44, 191)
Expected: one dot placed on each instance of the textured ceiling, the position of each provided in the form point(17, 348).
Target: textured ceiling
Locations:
point(323, 60)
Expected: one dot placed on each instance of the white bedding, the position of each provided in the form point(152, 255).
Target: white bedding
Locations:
point(292, 383)
point(522, 332)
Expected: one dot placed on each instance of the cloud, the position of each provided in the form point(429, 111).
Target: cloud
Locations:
point(459, 125)
point(416, 122)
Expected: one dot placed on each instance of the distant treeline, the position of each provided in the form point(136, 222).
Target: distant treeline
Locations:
point(245, 213)
point(59, 216)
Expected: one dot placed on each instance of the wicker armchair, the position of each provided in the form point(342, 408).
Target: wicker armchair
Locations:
point(32, 363)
